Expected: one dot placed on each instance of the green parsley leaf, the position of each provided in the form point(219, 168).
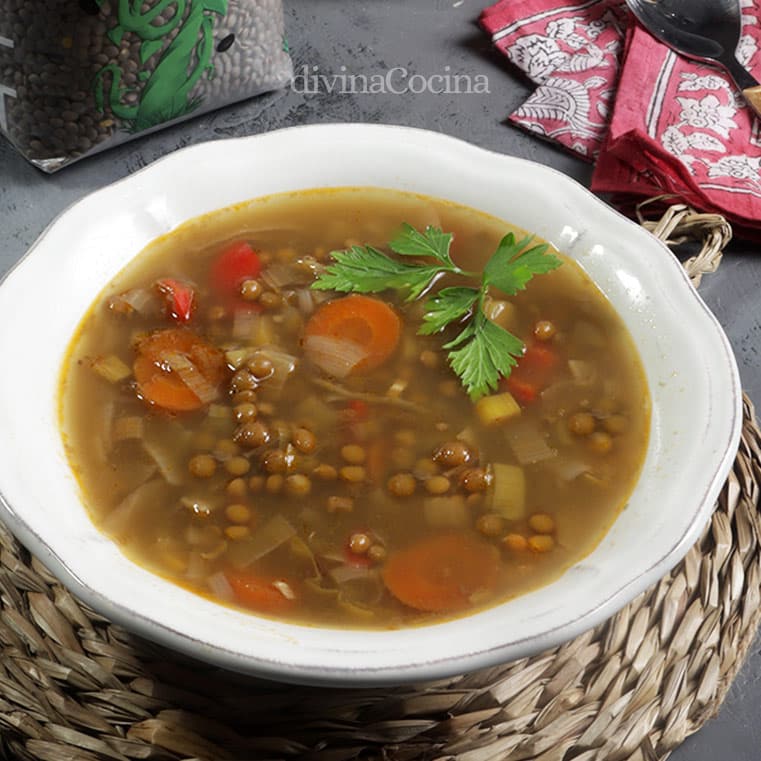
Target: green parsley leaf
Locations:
point(482, 352)
point(433, 242)
point(487, 352)
point(448, 305)
point(367, 270)
point(513, 264)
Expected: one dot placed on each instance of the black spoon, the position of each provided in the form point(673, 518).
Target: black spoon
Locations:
point(707, 30)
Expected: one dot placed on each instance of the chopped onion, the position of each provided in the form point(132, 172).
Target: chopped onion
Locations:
point(111, 368)
point(236, 357)
point(447, 512)
point(305, 301)
point(348, 572)
point(508, 494)
point(570, 470)
point(191, 376)
point(124, 516)
point(583, 372)
point(268, 538)
point(140, 300)
point(284, 588)
point(165, 457)
point(245, 323)
point(283, 364)
point(528, 444)
point(220, 587)
point(198, 567)
point(277, 275)
point(335, 356)
point(128, 428)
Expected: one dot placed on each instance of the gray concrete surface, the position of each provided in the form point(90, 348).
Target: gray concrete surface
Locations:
point(424, 37)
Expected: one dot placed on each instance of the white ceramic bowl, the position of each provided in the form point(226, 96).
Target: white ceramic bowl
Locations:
point(689, 364)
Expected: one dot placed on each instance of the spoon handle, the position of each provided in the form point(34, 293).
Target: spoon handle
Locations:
point(748, 84)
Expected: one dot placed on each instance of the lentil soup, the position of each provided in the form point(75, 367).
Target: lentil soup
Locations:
point(241, 427)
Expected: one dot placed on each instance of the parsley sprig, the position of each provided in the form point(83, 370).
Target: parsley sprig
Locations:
point(482, 352)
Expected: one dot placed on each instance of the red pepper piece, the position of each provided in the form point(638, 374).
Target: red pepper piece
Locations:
point(236, 264)
point(180, 298)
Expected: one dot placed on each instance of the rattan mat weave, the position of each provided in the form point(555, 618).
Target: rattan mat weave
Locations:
point(73, 687)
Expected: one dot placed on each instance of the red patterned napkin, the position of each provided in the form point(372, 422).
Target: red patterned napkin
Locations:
point(653, 121)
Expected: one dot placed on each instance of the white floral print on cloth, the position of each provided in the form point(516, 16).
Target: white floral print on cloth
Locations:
point(690, 132)
point(572, 51)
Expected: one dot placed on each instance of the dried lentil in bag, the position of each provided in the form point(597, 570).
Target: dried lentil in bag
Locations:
point(80, 76)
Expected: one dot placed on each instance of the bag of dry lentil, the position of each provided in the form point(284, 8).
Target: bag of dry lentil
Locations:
point(80, 76)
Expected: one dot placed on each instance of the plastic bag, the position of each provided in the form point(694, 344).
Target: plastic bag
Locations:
point(80, 76)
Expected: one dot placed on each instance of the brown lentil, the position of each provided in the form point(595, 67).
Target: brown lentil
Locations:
point(304, 440)
point(270, 300)
point(405, 437)
point(453, 453)
point(544, 330)
point(354, 454)
point(515, 542)
point(377, 553)
point(275, 461)
point(202, 466)
point(360, 543)
point(541, 523)
point(237, 488)
point(474, 500)
point(402, 485)
point(336, 504)
point(600, 442)
point(475, 480)
point(274, 483)
point(237, 466)
point(238, 513)
point(353, 474)
point(491, 524)
point(236, 533)
point(581, 424)
point(437, 485)
point(244, 413)
point(243, 380)
point(325, 472)
point(256, 483)
point(541, 543)
point(260, 367)
point(429, 359)
point(252, 435)
point(226, 448)
point(244, 397)
point(250, 290)
point(298, 485)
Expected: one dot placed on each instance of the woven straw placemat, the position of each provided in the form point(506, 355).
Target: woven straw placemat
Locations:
point(74, 687)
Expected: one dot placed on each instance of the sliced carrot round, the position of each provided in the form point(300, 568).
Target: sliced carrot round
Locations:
point(441, 573)
point(257, 592)
point(162, 387)
point(365, 321)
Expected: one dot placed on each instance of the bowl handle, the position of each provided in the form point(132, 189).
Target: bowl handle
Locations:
point(681, 223)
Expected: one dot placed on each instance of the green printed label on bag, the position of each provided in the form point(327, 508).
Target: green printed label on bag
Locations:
point(161, 91)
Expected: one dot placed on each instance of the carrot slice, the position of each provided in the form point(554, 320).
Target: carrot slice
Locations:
point(257, 592)
point(367, 322)
point(441, 573)
point(162, 387)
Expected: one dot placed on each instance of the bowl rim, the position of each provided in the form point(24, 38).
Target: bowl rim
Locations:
point(121, 613)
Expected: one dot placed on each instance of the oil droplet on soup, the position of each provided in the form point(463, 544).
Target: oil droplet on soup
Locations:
point(308, 455)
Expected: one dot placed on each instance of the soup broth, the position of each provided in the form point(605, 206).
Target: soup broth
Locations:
point(229, 437)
